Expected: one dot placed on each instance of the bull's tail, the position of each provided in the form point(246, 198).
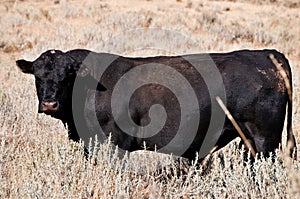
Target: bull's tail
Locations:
point(286, 72)
point(291, 141)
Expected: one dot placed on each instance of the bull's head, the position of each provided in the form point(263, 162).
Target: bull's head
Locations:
point(54, 73)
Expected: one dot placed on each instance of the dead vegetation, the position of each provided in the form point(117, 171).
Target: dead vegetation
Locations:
point(38, 161)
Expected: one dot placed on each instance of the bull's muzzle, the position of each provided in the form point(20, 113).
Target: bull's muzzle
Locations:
point(49, 107)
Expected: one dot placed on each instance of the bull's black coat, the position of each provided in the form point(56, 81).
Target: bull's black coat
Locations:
point(256, 96)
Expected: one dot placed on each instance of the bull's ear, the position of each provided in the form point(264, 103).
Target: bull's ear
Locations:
point(83, 71)
point(25, 66)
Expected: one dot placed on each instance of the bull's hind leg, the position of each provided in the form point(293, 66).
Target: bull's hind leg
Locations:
point(260, 141)
point(231, 133)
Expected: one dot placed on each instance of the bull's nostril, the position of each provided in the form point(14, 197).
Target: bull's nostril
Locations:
point(49, 107)
point(55, 105)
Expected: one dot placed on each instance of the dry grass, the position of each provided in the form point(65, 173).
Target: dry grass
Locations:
point(38, 161)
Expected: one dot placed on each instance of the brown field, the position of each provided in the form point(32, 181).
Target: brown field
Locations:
point(38, 161)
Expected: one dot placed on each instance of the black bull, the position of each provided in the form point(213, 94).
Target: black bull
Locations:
point(86, 91)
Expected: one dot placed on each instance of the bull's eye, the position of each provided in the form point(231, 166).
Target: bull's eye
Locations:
point(37, 79)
